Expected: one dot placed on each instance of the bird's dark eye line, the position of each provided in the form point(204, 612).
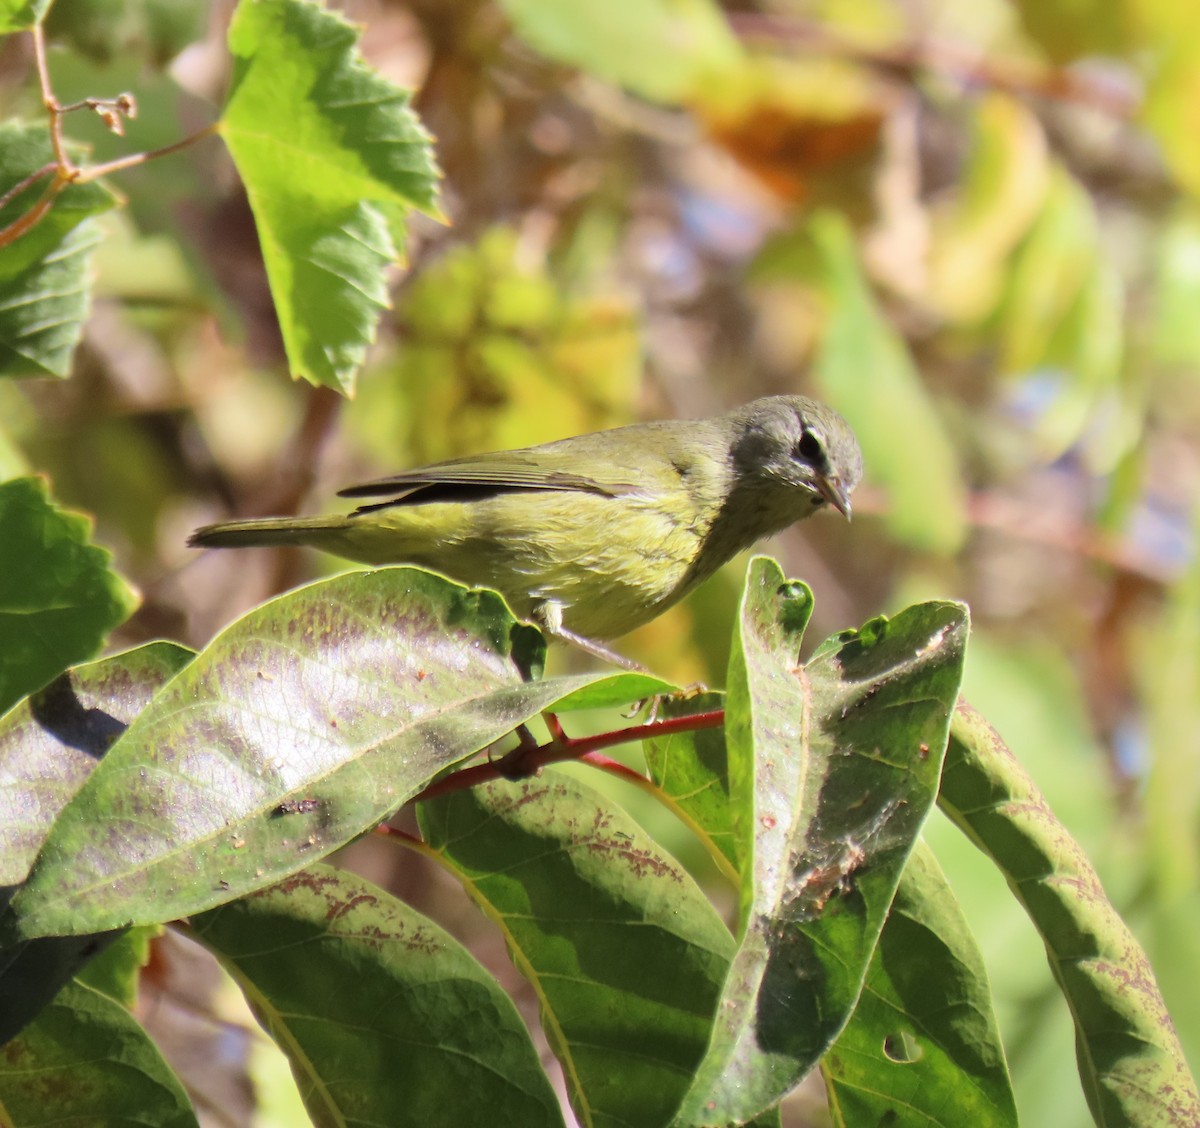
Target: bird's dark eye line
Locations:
point(810, 449)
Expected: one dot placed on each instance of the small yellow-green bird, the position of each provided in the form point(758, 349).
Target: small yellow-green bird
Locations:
point(592, 536)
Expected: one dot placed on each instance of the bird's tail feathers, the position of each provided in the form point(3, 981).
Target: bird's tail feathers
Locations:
point(266, 531)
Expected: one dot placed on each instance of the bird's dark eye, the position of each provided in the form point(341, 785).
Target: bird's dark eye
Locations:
point(811, 449)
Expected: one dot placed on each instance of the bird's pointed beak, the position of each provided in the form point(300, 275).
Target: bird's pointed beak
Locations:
point(835, 492)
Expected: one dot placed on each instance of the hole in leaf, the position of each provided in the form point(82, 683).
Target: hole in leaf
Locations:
point(902, 1048)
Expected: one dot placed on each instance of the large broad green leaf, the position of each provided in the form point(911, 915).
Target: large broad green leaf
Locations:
point(833, 768)
point(922, 1048)
point(864, 370)
point(625, 953)
point(59, 597)
point(87, 1061)
point(333, 158)
point(44, 285)
point(299, 727)
point(385, 1018)
point(1130, 1061)
point(49, 745)
point(661, 49)
point(51, 742)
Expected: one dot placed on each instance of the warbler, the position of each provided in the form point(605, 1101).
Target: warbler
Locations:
point(592, 536)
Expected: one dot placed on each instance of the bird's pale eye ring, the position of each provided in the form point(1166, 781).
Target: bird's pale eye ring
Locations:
point(810, 448)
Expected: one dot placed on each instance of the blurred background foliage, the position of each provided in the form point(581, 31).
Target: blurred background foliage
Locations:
point(971, 227)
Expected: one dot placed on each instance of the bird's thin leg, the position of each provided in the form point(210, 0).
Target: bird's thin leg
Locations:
point(549, 616)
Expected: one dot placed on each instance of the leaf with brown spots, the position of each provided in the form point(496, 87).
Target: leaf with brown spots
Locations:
point(344, 977)
point(625, 952)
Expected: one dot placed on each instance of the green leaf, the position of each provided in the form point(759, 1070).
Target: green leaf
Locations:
point(332, 157)
point(386, 1018)
point(664, 50)
point(923, 1047)
point(300, 726)
point(1130, 1061)
point(19, 15)
point(104, 30)
point(624, 951)
point(864, 370)
point(51, 742)
point(58, 596)
point(834, 766)
point(691, 769)
point(87, 1061)
point(44, 285)
point(49, 745)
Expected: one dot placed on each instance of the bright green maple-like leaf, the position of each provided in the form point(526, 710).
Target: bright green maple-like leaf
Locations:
point(59, 597)
point(44, 287)
point(333, 158)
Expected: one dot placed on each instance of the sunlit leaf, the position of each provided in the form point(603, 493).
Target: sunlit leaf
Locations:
point(51, 742)
point(1047, 275)
point(834, 766)
point(333, 158)
point(49, 745)
point(1130, 1062)
point(299, 727)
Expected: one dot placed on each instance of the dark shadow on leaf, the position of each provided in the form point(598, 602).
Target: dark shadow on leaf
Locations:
point(60, 712)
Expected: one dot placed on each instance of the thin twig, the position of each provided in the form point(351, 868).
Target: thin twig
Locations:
point(66, 168)
point(63, 171)
point(135, 159)
point(33, 216)
point(31, 179)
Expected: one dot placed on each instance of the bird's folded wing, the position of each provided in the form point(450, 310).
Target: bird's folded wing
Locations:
point(469, 479)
